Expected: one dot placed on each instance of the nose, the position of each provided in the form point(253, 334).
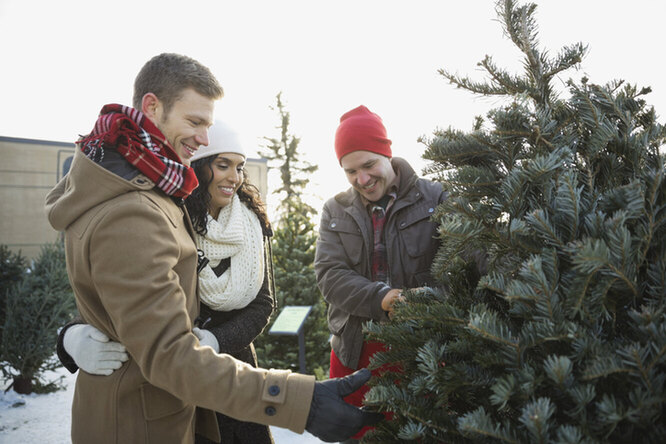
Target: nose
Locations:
point(362, 178)
point(235, 176)
point(202, 137)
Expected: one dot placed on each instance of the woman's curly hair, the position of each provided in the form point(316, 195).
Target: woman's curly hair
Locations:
point(197, 202)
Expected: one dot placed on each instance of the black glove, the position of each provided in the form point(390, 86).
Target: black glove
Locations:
point(331, 419)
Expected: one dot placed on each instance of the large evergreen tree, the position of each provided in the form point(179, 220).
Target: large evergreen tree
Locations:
point(561, 336)
point(293, 257)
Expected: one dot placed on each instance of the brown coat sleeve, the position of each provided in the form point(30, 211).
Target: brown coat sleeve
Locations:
point(135, 251)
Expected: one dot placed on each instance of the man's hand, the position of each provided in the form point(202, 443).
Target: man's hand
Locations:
point(331, 419)
point(206, 338)
point(92, 350)
point(394, 295)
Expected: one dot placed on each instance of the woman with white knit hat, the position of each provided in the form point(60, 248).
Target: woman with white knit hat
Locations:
point(232, 233)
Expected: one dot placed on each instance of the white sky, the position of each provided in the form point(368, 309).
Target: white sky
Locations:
point(60, 61)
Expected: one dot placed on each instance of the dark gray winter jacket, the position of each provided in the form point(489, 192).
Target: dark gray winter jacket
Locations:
point(344, 249)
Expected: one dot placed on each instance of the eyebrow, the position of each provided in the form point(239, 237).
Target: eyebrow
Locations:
point(367, 164)
point(226, 159)
point(201, 119)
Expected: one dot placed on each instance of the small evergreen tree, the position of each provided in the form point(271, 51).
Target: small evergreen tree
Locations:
point(12, 268)
point(36, 307)
point(562, 336)
point(293, 257)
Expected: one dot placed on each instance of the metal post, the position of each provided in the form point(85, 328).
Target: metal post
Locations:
point(301, 350)
point(291, 321)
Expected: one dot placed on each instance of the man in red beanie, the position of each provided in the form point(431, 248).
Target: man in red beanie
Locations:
point(375, 240)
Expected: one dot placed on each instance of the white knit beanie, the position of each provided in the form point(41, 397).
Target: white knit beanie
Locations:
point(222, 138)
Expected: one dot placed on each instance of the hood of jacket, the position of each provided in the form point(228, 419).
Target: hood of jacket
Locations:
point(89, 184)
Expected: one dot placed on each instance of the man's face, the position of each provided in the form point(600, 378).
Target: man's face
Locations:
point(369, 173)
point(186, 124)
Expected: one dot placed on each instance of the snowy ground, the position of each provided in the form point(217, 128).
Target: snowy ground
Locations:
point(45, 419)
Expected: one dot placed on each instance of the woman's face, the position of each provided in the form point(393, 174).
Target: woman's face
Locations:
point(227, 177)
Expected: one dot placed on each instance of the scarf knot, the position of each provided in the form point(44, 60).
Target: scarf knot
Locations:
point(143, 145)
point(236, 234)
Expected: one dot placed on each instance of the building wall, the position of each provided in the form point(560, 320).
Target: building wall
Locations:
point(28, 171)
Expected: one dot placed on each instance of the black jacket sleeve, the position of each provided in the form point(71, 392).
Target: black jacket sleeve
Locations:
point(65, 359)
point(237, 329)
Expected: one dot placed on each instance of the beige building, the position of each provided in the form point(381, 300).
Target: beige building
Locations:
point(29, 169)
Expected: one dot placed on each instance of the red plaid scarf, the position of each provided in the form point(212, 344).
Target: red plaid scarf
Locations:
point(143, 145)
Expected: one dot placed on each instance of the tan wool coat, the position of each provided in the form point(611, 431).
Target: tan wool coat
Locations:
point(131, 261)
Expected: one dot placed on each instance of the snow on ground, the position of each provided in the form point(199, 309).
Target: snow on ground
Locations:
point(45, 419)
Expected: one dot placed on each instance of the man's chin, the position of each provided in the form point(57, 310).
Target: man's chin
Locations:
point(184, 161)
point(372, 197)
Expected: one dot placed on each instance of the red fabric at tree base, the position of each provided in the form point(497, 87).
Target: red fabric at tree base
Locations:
point(338, 370)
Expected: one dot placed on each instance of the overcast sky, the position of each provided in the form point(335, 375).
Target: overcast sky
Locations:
point(62, 60)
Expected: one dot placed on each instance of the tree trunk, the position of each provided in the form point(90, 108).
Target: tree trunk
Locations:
point(22, 385)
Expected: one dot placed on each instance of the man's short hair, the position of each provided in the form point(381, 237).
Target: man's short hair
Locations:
point(167, 75)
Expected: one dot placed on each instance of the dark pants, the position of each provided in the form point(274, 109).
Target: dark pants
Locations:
point(234, 431)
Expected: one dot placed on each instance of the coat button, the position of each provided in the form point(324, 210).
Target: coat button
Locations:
point(273, 390)
point(333, 224)
point(270, 410)
point(402, 224)
point(431, 210)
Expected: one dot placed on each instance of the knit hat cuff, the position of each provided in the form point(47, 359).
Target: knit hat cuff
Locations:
point(222, 138)
point(361, 130)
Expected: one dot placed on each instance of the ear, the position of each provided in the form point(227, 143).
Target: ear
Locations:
point(151, 106)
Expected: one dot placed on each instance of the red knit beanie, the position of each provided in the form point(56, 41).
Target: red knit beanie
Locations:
point(361, 130)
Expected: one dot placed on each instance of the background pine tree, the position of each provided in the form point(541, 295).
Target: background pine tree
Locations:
point(293, 257)
point(12, 268)
point(36, 306)
point(562, 337)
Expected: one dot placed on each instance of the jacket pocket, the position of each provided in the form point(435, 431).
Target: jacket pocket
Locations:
point(350, 236)
point(417, 237)
point(337, 320)
point(417, 231)
point(158, 404)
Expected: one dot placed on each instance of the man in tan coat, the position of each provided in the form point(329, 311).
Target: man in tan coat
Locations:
point(132, 265)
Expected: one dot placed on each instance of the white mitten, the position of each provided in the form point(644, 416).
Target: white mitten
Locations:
point(92, 350)
point(207, 338)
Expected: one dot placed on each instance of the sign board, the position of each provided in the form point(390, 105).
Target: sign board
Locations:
point(290, 321)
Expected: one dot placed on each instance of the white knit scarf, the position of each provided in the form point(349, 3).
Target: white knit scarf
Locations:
point(236, 234)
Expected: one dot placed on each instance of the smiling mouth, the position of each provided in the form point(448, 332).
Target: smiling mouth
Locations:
point(227, 190)
point(190, 150)
point(369, 186)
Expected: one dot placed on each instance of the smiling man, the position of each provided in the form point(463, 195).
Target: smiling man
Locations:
point(132, 263)
point(375, 239)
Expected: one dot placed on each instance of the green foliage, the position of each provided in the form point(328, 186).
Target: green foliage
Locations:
point(283, 155)
point(35, 307)
point(12, 269)
point(562, 336)
point(293, 258)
